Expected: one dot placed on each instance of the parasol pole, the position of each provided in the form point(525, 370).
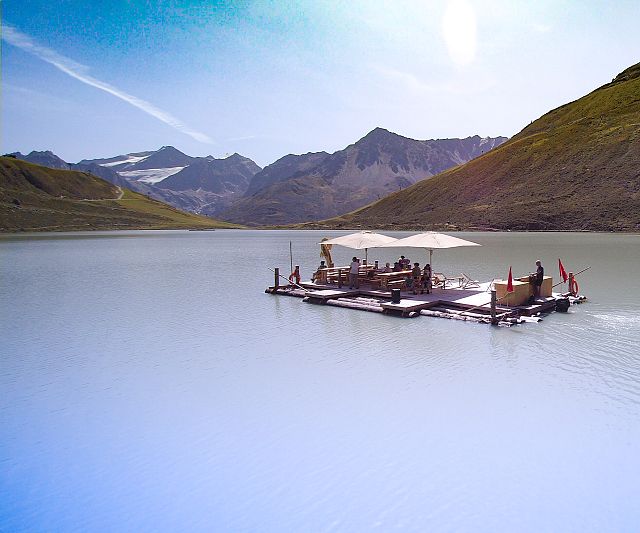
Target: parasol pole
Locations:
point(431, 262)
point(561, 282)
point(291, 255)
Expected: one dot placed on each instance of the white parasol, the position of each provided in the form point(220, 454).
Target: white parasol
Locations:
point(363, 240)
point(430, 240)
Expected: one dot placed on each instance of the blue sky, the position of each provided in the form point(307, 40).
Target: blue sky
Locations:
point(96, 79)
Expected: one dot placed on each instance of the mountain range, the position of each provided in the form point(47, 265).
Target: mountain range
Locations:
point(295, 188)
point(577, 167)
point(318, 185)
point(203, 185)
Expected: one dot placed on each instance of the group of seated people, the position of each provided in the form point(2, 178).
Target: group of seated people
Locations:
point(403, 263)
point(400, 265)
point(418, 280)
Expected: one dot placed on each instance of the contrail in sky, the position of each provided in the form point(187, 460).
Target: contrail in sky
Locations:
point(79, 72)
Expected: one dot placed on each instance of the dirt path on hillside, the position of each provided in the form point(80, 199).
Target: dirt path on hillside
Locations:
point(119, 197)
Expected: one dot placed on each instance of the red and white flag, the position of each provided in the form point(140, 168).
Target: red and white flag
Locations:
point(510, 281)
point(563, 272)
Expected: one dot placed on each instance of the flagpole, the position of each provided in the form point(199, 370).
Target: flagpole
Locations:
point(561, 282)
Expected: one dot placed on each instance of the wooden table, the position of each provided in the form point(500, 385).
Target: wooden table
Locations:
point(341, 274)
point(386, 277)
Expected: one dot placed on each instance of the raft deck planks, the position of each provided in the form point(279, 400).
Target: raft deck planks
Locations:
point(404, 307)
point(452, 301)
point(322, 295)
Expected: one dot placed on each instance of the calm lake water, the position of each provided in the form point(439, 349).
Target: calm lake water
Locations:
point(148, 384)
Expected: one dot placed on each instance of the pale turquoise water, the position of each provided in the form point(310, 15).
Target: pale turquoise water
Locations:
point(148, 384)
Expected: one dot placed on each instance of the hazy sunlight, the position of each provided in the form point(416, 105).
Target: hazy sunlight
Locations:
point(459, 31)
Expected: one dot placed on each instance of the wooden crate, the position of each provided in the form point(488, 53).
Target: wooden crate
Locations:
point(545, 288)
point(522, 291)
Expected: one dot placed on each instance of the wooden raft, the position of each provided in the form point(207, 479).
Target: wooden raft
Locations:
point(470, 304)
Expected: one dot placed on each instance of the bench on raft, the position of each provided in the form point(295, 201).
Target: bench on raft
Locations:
point(397, 284)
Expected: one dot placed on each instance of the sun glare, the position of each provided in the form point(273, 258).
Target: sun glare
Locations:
point(459, 31)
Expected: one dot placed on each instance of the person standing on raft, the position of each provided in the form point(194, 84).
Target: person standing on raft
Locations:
point(538, 276)
point(426, 278)
point(416, 279)
point(353, 273)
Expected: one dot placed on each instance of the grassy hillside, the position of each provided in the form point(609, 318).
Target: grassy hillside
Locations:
point(575, 168)
point(36, 198)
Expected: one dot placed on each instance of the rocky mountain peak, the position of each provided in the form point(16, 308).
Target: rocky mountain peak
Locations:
point(236, 157)
point(378, 135)
point(221, 176)
point(165, 157)
point(45, 158)
point(316, 186)
point(285, 168)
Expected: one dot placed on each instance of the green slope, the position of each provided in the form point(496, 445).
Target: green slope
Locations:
point(36, 198)
point(575, 168)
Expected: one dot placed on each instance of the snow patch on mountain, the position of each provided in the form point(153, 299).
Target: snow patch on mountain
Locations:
point(150, 175)
point(130, 160)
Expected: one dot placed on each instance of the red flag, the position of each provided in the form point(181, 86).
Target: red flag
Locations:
point(563, 272)
point(510, 282)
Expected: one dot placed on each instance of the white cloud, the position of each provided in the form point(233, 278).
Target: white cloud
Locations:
point(467, 84)
point(542, 28)
point(459, 31)
point(243, 138)
point(407, 79)
point(78, 71)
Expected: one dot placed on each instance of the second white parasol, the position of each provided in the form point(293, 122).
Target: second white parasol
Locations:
point(429, 240)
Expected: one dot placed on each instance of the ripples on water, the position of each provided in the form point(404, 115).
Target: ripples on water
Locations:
point(149, 384)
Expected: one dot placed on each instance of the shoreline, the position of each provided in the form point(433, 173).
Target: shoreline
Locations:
point(61, 230)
